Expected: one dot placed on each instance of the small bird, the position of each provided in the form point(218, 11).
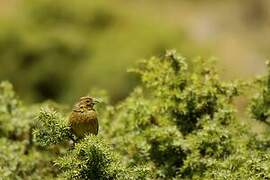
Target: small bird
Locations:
point(83, 119)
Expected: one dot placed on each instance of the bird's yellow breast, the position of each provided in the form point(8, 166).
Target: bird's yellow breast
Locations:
point(83, 123)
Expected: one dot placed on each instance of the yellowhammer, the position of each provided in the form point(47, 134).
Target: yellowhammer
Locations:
point(83, 119)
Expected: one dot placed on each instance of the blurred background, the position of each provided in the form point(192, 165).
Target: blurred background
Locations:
point(62, 49)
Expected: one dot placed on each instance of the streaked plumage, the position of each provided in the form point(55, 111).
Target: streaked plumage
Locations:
point(83, 119)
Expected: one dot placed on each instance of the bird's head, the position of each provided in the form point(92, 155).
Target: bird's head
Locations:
point(88, 102)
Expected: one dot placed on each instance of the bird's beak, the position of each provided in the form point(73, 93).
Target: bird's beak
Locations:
point(96, 101)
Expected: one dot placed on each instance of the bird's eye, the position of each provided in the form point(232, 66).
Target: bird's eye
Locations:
point(88, 101)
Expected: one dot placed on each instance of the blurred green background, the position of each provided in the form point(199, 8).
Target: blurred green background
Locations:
point(62, 49)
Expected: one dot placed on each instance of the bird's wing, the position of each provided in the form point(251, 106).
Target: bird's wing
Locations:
point(92, 116)
point(97, 125)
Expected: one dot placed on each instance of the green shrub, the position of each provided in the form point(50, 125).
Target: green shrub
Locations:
point(51, 129)
point(259, 107)
point(180, 123)
point(92, 159)
point(20, 158)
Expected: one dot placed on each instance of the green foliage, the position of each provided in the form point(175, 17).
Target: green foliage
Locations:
point(19, 157)
point(51, 128)
point(187, 96)
point(175, 108)
point(259, 107)
point(13, 119)
point(92, 159)
point(180, 123)
point(16, 164)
